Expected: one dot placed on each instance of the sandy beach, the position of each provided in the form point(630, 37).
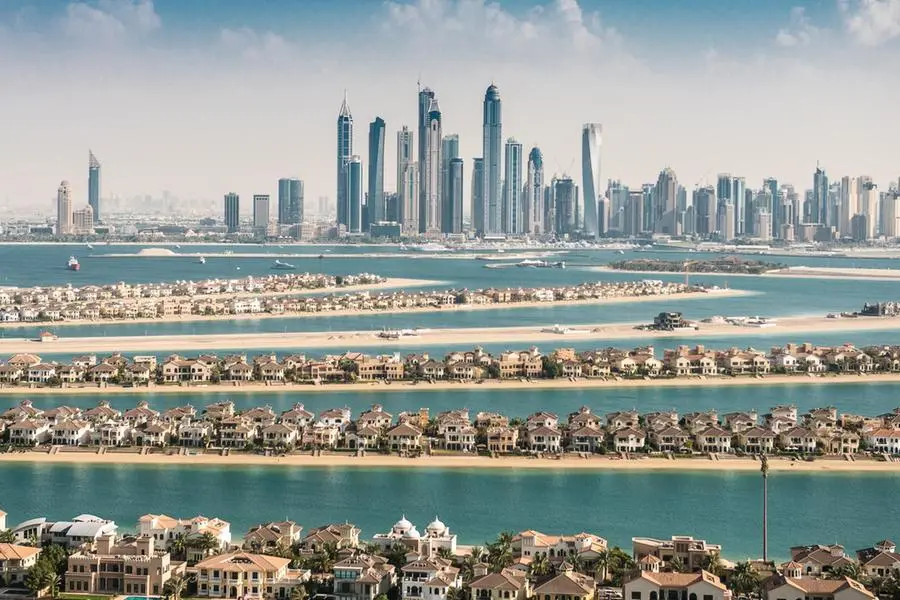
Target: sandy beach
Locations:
point(787, 329)
point(798, 272)
point(599, 463)
point(723, 293)
point(487, 385)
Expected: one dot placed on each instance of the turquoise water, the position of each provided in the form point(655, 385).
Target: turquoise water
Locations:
point(860, 398)
point(720, 507)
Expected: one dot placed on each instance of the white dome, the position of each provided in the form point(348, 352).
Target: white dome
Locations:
point(436, 525)
point(413, 533)
point(403, 524)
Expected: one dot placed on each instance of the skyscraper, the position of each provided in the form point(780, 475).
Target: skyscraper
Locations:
point(478, 211)
point(260, 213)
point(375, 201)
point(739, 202)
point(430, 175)
point(590, 175)
point(849, 204)
point(512, 189)
point(64, 218)
point(565, 196)
point(344, 152)
point(354, 195)
point(492, 144)
point(407, 181)
point(868, 205)
point(533, 202)
point(706, 210)
point(449, 151)
point(94, 185)
point(452, 219)
point(290, 201)
point(426, 97)
point(232, 212)
point(665, 198)
point(633, 219)
point(819, 208)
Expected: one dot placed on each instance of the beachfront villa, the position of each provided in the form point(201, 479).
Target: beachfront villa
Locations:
point(428, 579)
point(83, 529)
point(165, 530)
point(649, 583)
point(568, 584)
point(437, 537)
point(508, 584)
point(272, 536)
point(246, 575)
point(363, 577)
point(530, 544)
point(791, 583)
point(15, 560)
point(129, 566)
point(692, 553)
point(881, 560)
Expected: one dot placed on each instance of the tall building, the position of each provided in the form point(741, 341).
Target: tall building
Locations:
point(565, 196)
point(354, 195)
point(94, 185)
point(492, 148)
point(232, 212)
point(533, 200)
point(426, 98)
point(344, 152)
point(706, 211)
point(739, 200)
point(452, 219)
point(763, 225)
point(477, 209)
point(773, 199)
point(260, 212)
point(511, 212)
point(407, 181)
point(64, 217)
point(890, 214)
point(375, 198)
point(83, 220)
point(633, 221)
point(590, 175)
point(849, 204)
point(868, 205)
point(430, 173)
point(449, 151)
point(819, 208)
point(290, 201)
point(665, 198)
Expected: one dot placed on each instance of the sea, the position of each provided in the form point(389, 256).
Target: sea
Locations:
point(722, 507)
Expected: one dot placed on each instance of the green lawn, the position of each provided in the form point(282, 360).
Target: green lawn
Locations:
point(65, 596)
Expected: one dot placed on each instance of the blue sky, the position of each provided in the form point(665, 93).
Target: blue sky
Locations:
point(200, 97)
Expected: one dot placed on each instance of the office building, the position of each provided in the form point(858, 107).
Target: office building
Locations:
point(763, 226)
point(665, 220)
point(890, 214)
point(430, 172)
point(232, 212)
point(426, 98)
point(290, 201)
point(449, 151)
point(452, 218)
point(819, 207)
point(83, 220)
point(565, 200)
point(64, 209)
point(633, 218)
point(773, 199)
point(260, 213)
point(375, 197)
point(477, 209)
point(407, 181)
point(354, 195)
point(344, 152)
point(533, 200)
point(590, 175)
point(739, 200)
point(492, 148)
point(849, 204)
point(869, 205)
point(94, 185)
point(511, 212)
point(706, 211)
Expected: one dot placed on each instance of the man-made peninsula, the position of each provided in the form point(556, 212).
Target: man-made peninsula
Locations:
point(730, 266)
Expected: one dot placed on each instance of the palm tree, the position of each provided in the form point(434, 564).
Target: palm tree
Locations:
point(55, 583)
point(601, 567)
point(577, 562)
point(205, 542)
point(539, 567)
point(744, 579)
point(177, 586)
point(7, 536)
point(299, 592)
point(620, 564)
point(178, 546)
point(477, 552)
point(677, 565)
point(852, 570)
point(714, 563)
point(445, 553)
point(467, 568)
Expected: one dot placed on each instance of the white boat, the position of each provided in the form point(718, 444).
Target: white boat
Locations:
point(202, 260)
point(90, 246)
point(283, 266)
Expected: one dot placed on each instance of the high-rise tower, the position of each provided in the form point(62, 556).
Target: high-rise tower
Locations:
point(449, 152)
point(290, 201)
point(232, 212)
point(407, 181)
point(94, 185)
point(344, 152)
point(512, 189)
point(64, 219)
point(819, 207)
point(426, 97)
point(430, 173)
point(533, 202)
point(375, 202)
point(478, 210)
point(665, 197)
point(492, 195)
point(590, 175)
point(354, 195)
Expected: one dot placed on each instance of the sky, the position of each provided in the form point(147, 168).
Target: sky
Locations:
point(203, 97)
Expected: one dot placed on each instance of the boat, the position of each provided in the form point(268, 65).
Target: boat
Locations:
point(283, 266)
point(90, 246)
point(202, 260)
point(73, 265)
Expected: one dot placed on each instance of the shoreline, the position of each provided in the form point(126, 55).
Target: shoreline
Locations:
point(488, 385)
point(793, 272)
point(598, 463)
point(396, 311)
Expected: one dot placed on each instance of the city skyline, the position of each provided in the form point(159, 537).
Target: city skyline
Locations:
point(186, 136)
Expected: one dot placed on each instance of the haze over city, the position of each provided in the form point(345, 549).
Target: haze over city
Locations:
point(203, 98)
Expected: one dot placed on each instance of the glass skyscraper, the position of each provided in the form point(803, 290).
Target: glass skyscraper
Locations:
point(375, 201)
point(430, 172)
point(492, 146)
point(344, 152)
point(449, 151)
point(478, 211)
point(590, 175)
point(512, 189)
point(94, 185)
point(290, 201)
point(533, 202)
point(354, 195)
point(232, 212)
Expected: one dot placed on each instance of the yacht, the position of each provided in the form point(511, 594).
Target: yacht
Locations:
point(202, 260)
point(283, 266)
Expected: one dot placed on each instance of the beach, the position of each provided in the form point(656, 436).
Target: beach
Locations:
point(560, 383)
point(798, 272)
point(597, 463)
point(394, 311)
point(790, 328)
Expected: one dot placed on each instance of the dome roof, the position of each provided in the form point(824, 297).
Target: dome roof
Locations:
point(403, 524)
point(492, 93)
point(413, 533)
point(436, 525)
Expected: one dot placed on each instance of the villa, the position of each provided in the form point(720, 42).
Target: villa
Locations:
point(791, 583)
point(131, 566)
point(363, 577)
point(15, 561)
point(246, 575)
point(271, 536)
point(692, 553)
point(651, 584)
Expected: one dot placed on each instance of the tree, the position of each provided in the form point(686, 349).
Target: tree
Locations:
point(299, 592)
point(620, 564)
point(677, 565)
point(714, 563)
point(7, 536)
point(204, 542)
point(601, 567)
point(744, 579)
point(396, 555)
point(39, 577)
point(493, 371)
point(55, 583)
point(539, 567)
point(445, 553)
point(177, 586)
point(851, 570)
point(550, 369)
point(56, 557)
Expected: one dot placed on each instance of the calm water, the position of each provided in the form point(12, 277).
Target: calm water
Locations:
point(720, 507)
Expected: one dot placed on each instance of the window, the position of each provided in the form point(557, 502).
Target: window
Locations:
point(635, 596)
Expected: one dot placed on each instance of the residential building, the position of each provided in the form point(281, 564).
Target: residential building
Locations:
point(246, 575)
point(290, 201)
point(791, 583)
point(273, 535)
point(511, 213)
point(450, 188)
point(344, 152)
point(232, 212)
point(362, 577)
point(94, 186)
point(428, 579)
point(651, 584)
point(132, 566)
point(64, 217)
point(491, 197)
point(261, 213)
point(568, 584)
point(591, 140)
point(533, 198)
point(430, 141)
point(375, 197)
point(15, 561)
point(693, 554)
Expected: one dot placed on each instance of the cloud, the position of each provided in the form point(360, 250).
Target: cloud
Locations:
point(800, 31)
point(871, 22)
point(255, 45)
point(110, 20)
point(557, 27)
